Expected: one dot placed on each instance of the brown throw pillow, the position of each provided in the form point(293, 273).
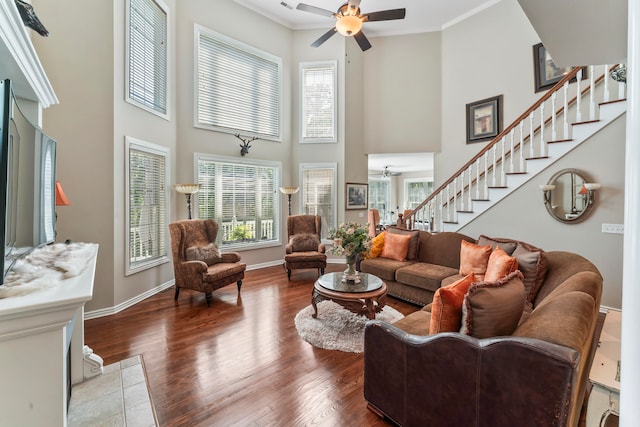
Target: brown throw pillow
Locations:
point(474, 258)
point(446, 308)
point(304, 242)
point(395, 246)
point(533, 265)
point(507, 245)
point(500, 264)
point(412, 253)
point(492, 309)
point(209, 254)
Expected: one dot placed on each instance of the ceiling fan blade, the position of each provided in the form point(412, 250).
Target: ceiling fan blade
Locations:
point(323, 38)
point(316, 10)
point(362, 40)
point(353, 6)
point(385, 15)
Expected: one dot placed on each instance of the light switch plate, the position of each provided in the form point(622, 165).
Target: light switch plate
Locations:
point(613, 228)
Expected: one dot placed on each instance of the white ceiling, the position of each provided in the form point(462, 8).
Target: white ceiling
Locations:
point(422, 15)
point(401, 162)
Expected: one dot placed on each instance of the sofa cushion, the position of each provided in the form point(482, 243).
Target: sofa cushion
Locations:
point(474, 258)
point(412, 253)
point(451, 279)
point(304, 242)
point(507, 245)
point(533, 265)
point(446, 309)
point(377, 243)
point(384, 268)
point(500, 264)
point(423, 275)
point(395, 246)
point(210, 254)
point(493, 309)
point(416, 323)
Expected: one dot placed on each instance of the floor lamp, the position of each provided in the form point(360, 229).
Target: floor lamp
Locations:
point(289, 191)
point(188, 190)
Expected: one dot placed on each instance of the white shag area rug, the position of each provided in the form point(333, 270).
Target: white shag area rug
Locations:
point(46, 267)
point(336, 328)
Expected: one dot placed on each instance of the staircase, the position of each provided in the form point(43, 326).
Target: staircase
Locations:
point(568, 114)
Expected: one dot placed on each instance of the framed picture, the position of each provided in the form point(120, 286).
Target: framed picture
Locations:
point(357, 196)
point(546, 72)
point(484, 119)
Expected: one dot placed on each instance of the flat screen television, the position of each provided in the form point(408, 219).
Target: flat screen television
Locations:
point(27, 182)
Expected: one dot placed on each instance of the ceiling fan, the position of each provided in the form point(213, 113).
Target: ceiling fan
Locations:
point(349, 21)
point(386, 173)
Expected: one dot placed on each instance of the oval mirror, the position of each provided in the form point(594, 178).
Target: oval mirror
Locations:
point(569, 196)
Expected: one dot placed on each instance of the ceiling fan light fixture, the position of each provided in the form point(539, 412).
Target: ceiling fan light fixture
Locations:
point(349, 25)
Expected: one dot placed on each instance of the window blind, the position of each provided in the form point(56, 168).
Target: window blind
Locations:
point(147, 222)
point(318, 195)
point(242, 198)
point(239, 87)
point(318, 103)
point(148, 55)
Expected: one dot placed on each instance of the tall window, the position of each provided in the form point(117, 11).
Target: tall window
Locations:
point(242, 198)
point(379, 197)
point(318, 101)
point(147, 52)
point(147, 182)
point(319, 193)
point(415, 191)
point(238, 87)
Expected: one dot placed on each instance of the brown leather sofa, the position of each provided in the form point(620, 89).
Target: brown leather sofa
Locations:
point(538, 376)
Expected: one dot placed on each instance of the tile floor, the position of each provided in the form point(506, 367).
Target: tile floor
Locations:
point(119, 397)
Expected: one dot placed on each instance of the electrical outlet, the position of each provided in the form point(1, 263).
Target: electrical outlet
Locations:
point(613, 228)
point(360, 214)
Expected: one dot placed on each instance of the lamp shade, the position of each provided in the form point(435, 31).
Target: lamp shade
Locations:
point(187, 188)
point(61, 198)
point(289, 190)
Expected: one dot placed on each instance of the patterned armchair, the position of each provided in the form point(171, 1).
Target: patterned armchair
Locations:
point(198, 263)
point(305, 248)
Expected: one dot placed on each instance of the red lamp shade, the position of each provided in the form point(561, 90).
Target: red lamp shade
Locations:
point(61, 198)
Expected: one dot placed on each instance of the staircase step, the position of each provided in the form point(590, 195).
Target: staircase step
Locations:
point(559, 140)
point(536, 158)
point(584, 122)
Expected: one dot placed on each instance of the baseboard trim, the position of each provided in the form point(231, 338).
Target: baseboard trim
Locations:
point(129, 303)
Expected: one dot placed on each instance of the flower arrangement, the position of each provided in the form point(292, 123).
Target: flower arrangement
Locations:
point(350, 240)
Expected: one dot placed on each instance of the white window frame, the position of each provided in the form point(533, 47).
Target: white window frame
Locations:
point(333, 65)
point(406, 188)
point(152, 149)
point(166, 114)
point(241, 246)
point(334, 167)
point(385, 214)
point(240, 48)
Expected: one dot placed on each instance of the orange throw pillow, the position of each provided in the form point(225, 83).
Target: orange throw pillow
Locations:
point(377, 243)
point(446, 309)
point(473, 258)
point(396, 246)
point(500, 264)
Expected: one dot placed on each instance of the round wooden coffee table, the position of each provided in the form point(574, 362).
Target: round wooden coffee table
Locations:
point(365, 298)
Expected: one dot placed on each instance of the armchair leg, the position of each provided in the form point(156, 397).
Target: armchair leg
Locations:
point(289, 274)
point(239, 285)
point(207, 297)
point(175, 297)
point(322, 271)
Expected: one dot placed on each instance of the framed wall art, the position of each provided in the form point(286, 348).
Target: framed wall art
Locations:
point(484, 119)
point(546, 72)
point(357, 196)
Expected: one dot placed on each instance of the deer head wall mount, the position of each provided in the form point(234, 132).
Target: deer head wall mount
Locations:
point(244, 147)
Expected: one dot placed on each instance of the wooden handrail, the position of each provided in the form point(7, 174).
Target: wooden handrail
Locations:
point(559, 85)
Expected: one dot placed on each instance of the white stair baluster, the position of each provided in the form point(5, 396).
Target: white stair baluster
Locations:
point(477, 179)
point(441, 213)
point(511, 155)
point(592, 91)
point(606, 83)
point(503, 174)
point(469, 208)
point(448, 204)
point(621, 87)
point(486, 174)
point(495, 165)
point(455, 194)
point(521, 165)
point(554, 135)
point(565, 113)
point(543, 146)
point(531, 151)
point(578, 96)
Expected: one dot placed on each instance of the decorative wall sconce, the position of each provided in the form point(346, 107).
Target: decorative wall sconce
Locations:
point(188, 190)
point(289, 191)
point(569, 195)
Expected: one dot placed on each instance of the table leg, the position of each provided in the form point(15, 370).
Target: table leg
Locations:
point(313, 304)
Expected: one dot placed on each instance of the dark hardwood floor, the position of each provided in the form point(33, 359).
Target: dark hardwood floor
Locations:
point(239, 362)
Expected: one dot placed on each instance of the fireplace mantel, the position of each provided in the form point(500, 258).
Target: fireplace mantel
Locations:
point(37, 331)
